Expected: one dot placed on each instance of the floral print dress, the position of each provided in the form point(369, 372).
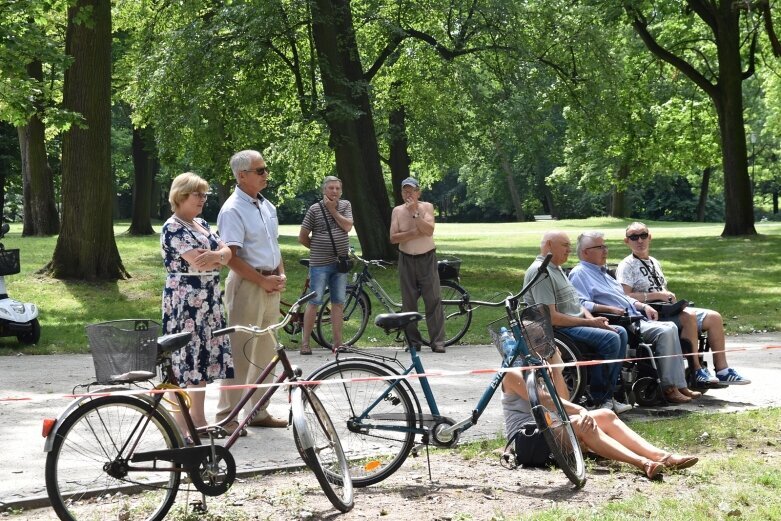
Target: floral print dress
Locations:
point(193, 302)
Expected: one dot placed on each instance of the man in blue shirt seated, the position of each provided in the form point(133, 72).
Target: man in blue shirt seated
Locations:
point(570, 317)
point(601, 293)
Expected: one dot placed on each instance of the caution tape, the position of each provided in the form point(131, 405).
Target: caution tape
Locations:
point(411, 376)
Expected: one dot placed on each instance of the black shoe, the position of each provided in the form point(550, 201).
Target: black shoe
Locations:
point(438, 349)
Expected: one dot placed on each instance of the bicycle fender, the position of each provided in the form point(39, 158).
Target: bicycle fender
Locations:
point(299, 421)
point(76, 403)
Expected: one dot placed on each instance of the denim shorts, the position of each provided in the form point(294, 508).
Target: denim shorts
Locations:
point(328, 276)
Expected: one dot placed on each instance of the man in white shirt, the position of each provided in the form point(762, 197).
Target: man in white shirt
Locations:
point(248, 225)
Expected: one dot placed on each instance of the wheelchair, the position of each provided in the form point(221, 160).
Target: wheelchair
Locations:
point(639, 379)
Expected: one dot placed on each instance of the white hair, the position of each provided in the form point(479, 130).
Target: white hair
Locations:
point(587, 237)
point(242, 161)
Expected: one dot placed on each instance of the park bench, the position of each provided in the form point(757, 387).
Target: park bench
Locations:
point(538, 218)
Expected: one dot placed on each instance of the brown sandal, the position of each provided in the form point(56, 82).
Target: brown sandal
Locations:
point(305, 350)
point(652, 469)
point(676, 462)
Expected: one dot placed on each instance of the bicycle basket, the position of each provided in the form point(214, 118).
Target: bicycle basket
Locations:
point(120, 346)
point(535, 327)
point(449, 269)
point(9, 262)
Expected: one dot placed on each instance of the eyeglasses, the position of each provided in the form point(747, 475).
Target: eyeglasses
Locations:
point(600, 247)
point(200, 195)
point(635, 236)
point(260, 171)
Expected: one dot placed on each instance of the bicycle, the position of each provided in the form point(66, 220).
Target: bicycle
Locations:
point(378, 414)
point(106, 448)
point(296, 324)
point(357, 306)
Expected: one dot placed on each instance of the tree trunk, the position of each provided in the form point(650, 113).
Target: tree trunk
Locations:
point(618, 206)
point(738, 201)
point(399, 159)
point(86, 249)
point(512, 186)
point(349, 117)
point(143, 170)
point(40, 210)
point(704, 186)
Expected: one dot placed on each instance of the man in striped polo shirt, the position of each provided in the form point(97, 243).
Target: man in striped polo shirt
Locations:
point(337, 214)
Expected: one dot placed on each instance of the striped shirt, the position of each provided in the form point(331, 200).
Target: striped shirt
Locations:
point(321, 251)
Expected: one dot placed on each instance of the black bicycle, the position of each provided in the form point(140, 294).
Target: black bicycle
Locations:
point(357, 306)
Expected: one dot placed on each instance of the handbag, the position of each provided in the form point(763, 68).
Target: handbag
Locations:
point(343, 262)
point(667, 310)
point(531, 449)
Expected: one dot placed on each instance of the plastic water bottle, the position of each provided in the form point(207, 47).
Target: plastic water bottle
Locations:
point(507, 340)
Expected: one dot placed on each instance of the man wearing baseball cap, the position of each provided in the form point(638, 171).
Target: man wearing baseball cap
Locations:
point(412, 228)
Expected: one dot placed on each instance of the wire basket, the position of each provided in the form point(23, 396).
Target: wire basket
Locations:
point(120, 346)
point(535, 327)
point(449, 269)
point(9, 262)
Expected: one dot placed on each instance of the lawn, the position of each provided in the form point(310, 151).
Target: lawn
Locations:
point(740, 277)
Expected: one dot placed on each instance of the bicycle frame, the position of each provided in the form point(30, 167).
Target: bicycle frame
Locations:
point(450, 433)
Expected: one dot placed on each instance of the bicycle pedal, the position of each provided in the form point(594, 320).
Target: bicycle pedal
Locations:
point(198, 506)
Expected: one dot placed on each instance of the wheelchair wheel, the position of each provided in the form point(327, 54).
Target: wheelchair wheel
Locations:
point(576, 376)
point(647, 391)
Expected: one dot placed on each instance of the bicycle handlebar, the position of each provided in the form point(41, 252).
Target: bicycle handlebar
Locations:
point(257, 331)
point(376, 263)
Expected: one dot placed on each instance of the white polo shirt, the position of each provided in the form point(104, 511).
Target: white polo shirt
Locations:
point(252, 225)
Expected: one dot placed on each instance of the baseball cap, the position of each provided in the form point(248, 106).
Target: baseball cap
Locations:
point(410, 181)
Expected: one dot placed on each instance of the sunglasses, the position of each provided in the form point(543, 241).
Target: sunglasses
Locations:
point(260, 171)
point(635, 236)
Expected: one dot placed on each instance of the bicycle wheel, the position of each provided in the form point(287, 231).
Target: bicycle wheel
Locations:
point(457, 311)
point(295, 326)
point(575, 376)
point(317, 440)
point(553, 422)
point(88, 472)
point(356, 313)
point(376, 441)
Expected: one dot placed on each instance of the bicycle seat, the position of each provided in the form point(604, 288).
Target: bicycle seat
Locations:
point(390, 321)
point(304, 262)
point(172, 342)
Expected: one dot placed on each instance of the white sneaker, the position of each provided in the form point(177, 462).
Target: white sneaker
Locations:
point(607, 404)
point(620, 408)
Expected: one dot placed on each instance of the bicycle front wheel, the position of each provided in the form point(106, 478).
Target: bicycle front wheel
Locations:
point(457, 311)
point(376, 437)
point(89, 474)
point(318, 443)
point(552, 420)
point(355, 316)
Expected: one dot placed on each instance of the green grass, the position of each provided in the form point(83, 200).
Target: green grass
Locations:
point(739, 277)
point(738, 476)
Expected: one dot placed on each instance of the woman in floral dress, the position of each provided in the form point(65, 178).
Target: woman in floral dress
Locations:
point(192, 301)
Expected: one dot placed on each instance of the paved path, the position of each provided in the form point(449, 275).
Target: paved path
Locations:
point(45, 378)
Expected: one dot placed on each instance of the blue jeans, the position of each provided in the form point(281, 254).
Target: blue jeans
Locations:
point(605, 345)
point(321, 277)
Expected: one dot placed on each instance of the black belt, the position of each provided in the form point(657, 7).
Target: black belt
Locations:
point(419, 254)
point(267, 273)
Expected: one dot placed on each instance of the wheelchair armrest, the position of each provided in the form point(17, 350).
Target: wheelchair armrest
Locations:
point(620, 320)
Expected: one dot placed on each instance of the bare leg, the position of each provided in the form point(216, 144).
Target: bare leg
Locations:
point(714, 325)
point(309, 323)
point(197, 400)
point(689, 332)
point(337, 316)
point(596, 440)
point(617, 430)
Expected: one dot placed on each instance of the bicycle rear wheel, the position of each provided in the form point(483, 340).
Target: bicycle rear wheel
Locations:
point(89, 473)
point(376, 440)
point(318, 442)
point(553, 422)
point(457, 311)
point(356, 312)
